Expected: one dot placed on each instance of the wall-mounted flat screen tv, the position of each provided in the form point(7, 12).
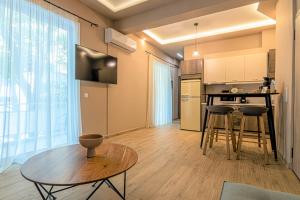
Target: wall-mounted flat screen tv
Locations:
point(95, 66)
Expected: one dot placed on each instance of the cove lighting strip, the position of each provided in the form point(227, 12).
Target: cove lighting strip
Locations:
point(122, 6)
point(215, 32)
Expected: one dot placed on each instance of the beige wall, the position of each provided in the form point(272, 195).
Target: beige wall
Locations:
point(284, 76)
point(237, 45)
point(127, 101)
point(268, 38)
point(114, 108)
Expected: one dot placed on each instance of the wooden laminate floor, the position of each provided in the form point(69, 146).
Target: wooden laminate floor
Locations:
point(171, 166)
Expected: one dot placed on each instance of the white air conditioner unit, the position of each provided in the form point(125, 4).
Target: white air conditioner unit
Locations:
point(114, 37)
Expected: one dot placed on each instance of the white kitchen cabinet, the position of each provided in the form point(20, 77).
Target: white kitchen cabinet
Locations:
point(235, 69)
point(255, 66)
point(215, 70)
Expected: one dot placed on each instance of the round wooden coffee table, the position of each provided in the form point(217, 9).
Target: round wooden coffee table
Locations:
point(68, 166)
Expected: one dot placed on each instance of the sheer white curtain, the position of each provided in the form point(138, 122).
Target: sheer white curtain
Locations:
point(39, 101)
point(160, 93)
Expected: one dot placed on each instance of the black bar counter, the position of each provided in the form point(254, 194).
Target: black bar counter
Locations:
point(267, 98)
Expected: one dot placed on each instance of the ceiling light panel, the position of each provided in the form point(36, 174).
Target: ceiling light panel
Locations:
point(118, 5)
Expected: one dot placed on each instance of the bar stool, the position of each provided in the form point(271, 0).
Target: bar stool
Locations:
point(258, 112)
point(215, 111)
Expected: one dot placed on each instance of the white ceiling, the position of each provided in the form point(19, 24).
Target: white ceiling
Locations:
point(120, 9)
point(170, 22)
point(121, 3)
point(118, 5)
point(233, 20)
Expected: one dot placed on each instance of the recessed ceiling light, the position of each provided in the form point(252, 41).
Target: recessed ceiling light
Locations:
point(120, 6)
point(215, 32)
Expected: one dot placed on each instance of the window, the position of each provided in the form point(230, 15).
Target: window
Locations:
point(38, 91)
point(159, 94)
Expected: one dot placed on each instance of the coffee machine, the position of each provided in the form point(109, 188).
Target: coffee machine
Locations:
point(267, 82)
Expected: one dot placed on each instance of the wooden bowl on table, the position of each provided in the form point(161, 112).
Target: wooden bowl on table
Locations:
point(90, 141)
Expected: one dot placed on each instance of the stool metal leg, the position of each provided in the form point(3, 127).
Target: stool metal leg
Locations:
point(227, 137)
point(262, 126)
point(207, 134)
point(240, 137)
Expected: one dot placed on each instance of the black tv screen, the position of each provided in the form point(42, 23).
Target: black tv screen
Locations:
point(95, 66)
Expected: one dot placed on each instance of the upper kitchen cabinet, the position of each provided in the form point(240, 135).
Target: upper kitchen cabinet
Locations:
point(215, 70)
point(235, 71)
point(256, 66)
point(192, 67)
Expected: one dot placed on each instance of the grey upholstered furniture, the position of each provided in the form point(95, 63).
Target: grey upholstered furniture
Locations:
point(238, 191)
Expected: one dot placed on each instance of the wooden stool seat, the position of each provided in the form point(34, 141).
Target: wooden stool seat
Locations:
point(214, 111)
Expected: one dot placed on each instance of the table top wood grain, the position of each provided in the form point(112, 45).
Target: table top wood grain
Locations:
point(69, 165)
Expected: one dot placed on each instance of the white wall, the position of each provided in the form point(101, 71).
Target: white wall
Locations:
point(284, 77)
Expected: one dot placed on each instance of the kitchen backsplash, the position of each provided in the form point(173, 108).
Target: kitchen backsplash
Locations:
point(242, 87)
